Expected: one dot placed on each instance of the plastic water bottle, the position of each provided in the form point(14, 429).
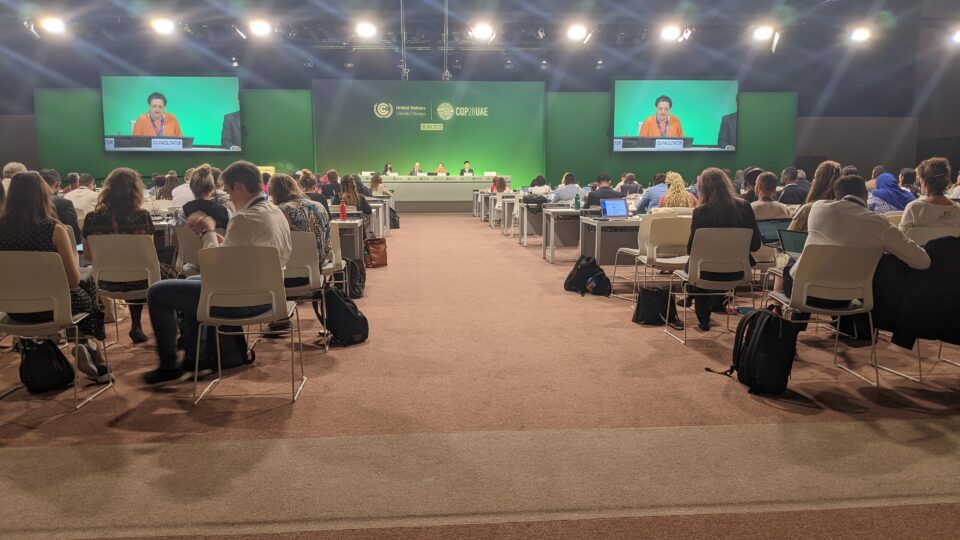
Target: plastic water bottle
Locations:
point(343, 211)
point(576, 201)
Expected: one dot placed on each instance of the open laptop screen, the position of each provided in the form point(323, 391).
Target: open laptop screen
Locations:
point(770, 229)
point(792, 242)
point(614, 207)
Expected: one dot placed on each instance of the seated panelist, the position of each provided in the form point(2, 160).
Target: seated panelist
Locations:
point(157, 122)
point(662, 123)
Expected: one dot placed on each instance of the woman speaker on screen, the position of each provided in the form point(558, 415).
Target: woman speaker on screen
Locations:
point(662, 123)
point(157, 122)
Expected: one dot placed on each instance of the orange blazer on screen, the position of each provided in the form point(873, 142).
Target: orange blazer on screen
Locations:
point(649, 127)
point(143, 127)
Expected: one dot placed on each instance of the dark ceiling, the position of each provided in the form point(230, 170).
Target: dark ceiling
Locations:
point(315, 39)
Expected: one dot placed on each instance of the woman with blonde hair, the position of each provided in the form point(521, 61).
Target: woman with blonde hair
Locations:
point(677, 195)
point(350, 194)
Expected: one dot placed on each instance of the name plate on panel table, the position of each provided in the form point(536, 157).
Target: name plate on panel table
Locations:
point(166, 144)
point(109, 143)
point(668, 144)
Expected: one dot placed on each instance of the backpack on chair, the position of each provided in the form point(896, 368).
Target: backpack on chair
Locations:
point(763, 351)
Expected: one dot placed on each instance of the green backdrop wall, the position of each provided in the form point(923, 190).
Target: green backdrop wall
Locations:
point(497, 126)
point(579, 139)
point(576, 128)
point(279, 125)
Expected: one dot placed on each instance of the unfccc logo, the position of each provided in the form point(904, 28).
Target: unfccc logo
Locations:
point(383, 110)
point(445, 111)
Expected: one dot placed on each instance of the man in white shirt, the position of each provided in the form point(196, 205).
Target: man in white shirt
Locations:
point(847, 222)
point(9, 171)
point(765, 207)
point(84, 198)
point(182, 194)
point(256, 223)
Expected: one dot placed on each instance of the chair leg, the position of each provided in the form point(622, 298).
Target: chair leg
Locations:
point(76, 374)
point(671, 299)
point(294, 390)
point(196, 365)
point(873, 350)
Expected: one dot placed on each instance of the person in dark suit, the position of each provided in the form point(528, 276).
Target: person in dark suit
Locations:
point(466, 170)
point(603, 191)
point(727, 138)
point(416, 170)
point(231, 135)
point(719, 208)
point(66, 212)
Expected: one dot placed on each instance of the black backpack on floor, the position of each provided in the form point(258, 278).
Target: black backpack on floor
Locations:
point(358, 277)
point(587, 276)
point(652, 305)
point(233, 349)
point(43, 367)
point(394, 219)
point(344, 320)
point(763, 352)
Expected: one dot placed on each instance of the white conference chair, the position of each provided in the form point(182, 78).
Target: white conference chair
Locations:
point(836, 273)
point(305, 263)
point(260, 283)
point(124, 258)
point(665, 247)
point(336, 264)
point(189, 245)
point(717, 250)
point(677, 211)
point(36, 282)
point(922, 235)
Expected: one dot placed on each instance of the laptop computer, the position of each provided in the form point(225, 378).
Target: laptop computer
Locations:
point(611, 208)
point(770, 229)
point(792, 242)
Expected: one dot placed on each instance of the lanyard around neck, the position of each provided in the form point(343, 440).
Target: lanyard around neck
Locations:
point(665, 128)
point(163, 120)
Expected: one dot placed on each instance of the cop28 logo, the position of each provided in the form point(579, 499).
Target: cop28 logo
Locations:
point(445, 111)
point(383, 110)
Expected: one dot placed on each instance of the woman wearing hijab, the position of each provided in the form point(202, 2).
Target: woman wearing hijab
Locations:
point(677, 195)
point(888, 197)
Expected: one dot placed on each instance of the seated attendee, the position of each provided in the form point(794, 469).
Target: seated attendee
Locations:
point(908, 181)
point(874, 175)
point(934, 210)
point(71, 183)
point(183, 194)
point(119, 212)
point(802, 180)
point(603, 191)
point(171, 182)
point(377, 188)
point(738, 181)
point(466, 170)
point(568, 190)
point(630, 185)
point(539, 186)
point(651, 197)
point(954, 191)
point(256, 223)
point(364, 190)
point(310, 188)
point(64, 209)
point(888, 197)
point(202, 187)
point(821, 189)
point(416, 170)
point(387, 168)
point(27, 223)
point(677, 195)
point(499, 185)
point(791, 193)
point(350, 195)
point(10, 170)
point(84, 198)
point(850, 170)
point(440, 169)
point(765, 207)
point(847, 221)
point(265, 181)
point(302, 214)
point(330, 184)
point(719, 208)
point(750, 176)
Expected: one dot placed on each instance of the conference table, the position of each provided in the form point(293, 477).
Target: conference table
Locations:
point(351, 237)
point(526, 224)
point(560, 229)
point(600, 238)
point(432, 193)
